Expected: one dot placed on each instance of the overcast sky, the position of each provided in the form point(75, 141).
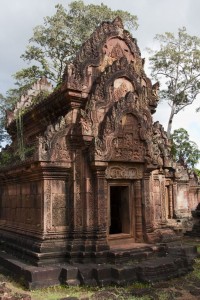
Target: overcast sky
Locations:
point(19, 17)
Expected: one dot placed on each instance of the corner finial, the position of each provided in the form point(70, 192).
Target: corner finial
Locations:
point(118, 22)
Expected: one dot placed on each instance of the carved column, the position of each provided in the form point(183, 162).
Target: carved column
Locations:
point(138, 211)
point(174, 199)
point(88, 205)
point(77, 190)
point(170, 201)
point(163, 203)
point(75, 207)
point(147, 205)
point(198, 195)
point(100, 207)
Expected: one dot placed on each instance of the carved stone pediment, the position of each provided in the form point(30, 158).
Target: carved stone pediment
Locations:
point(53, 144)
point(120, 137)
point(27, 99)
point(109, 43)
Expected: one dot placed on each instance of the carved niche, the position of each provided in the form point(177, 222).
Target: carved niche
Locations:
point(122, 133)
point(121, 87)
point(127, 145)
point(114, 49)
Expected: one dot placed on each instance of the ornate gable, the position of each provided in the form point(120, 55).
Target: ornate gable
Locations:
point(120, 98)
point(108, 43)
point(105, 99)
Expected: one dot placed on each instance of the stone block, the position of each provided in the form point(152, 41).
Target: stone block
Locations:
point(157, 269)
point(86, 275)
point(122, 275)
point(69, 276)
point(102, 274)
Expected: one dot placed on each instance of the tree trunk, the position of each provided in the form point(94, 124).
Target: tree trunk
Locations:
point(169, 127)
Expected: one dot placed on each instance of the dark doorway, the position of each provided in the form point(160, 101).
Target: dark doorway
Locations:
point(119, 210)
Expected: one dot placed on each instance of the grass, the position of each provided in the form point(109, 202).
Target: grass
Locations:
point(57, 292)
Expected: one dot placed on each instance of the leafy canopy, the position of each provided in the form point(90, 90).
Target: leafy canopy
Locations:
point(183, 149)
point(177, 64)
point(5, 103)
point(55, 43)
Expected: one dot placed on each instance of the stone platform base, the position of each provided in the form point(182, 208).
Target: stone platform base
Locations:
point(195, 232)
point(122, 267)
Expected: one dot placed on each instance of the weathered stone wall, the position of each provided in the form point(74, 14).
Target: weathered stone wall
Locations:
point(182, 207)
point(35, 211)
point(21, 205)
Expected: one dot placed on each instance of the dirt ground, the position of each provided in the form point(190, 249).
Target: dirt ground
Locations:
point(183, 288)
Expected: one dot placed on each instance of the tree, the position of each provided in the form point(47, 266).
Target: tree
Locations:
point(177, 65)
point(55, 43)
point(4, 104)
point(183, 149)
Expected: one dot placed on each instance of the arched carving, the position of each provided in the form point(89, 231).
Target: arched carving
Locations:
point(119, 135)
point(114, 49)
point(53, 144)
point(108, 43)
point(121, 87)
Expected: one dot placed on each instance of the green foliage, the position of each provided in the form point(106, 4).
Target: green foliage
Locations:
point(183, 149)
point(4, 104)
point(177, 64)
point(5, 158)
point(9, 157)
point(55, 43)
point(25, 78)
point(197, 172)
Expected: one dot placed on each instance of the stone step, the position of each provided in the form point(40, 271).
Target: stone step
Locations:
point(127, 255)
point(175, 261)
point(152, 270)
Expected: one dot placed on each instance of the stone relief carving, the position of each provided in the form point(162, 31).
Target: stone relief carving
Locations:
point(59, 210)
point(53, 144)
point(47, 202)
point(26, 100)
point(90, 200)
point(114, 49)
point(86, 123)
point(121, 87)
point(107, 44)
point(77, 190)
point(161, 145)
point(120, 137)
point(120, 171)
point(163, 204)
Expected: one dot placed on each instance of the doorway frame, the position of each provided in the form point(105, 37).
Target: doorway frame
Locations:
point(130, 185)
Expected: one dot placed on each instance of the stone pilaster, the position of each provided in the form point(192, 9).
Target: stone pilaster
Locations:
point(138, 211)
point(148, 210)
point(100, 206)
point(171, 210)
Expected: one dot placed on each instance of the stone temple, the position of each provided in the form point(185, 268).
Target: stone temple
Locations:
point(100, 172)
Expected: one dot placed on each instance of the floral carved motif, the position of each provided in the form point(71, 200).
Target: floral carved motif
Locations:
point(47, 203)
point(126, 172)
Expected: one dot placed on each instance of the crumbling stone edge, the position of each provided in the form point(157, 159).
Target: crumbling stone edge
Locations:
point(176, 262)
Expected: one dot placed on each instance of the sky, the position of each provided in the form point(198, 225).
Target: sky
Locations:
point(19, 17)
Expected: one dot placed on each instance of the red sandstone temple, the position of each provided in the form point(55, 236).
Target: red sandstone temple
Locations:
point(100, 170)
